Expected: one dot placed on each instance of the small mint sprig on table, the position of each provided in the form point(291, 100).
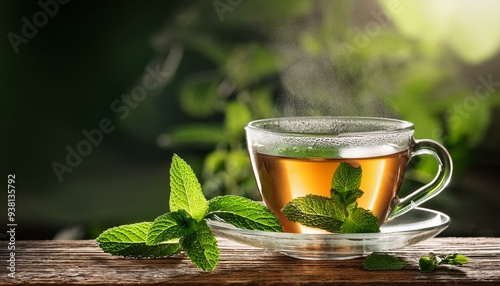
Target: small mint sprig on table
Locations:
point(184, 228)
point(340, 212)
point(430, 263)
point(426, 263)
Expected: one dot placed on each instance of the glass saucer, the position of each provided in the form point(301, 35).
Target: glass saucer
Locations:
point(415, 226)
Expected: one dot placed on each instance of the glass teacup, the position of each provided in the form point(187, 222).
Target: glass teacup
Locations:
point(295, 156)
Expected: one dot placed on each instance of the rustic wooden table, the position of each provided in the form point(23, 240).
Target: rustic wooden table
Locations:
point(82, 262)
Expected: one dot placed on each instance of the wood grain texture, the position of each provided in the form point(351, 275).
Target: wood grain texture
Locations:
point(82, 262)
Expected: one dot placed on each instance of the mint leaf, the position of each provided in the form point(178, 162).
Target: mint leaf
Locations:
point(315, 211)
point(170, 226)
point(350, 196)
point(360, 221)
point(201, 247)
point(186, 191)
point(340, 213)
point(350, 208)
point(380, 261)
point(130, 240)
point(243, 213)
point(455, 259)
point(428, 263)
point(346, 178)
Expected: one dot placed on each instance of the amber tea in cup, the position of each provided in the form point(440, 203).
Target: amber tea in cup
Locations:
point(296, 156)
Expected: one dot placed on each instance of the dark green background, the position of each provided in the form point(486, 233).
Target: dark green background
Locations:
point(66, 77)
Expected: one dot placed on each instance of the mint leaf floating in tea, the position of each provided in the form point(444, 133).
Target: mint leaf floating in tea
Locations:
point(340, 212)
point(381, 261)
point(316, 211)
point(349, 197)
point(130, 241)
point(345, 184)
point(360, 221)
point(243, 213)
point(346, 178)
point(185, 227)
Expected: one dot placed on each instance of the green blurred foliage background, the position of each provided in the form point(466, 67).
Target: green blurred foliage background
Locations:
point(218, 65)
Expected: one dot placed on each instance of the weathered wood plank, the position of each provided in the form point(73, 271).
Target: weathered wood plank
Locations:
point(82, 262)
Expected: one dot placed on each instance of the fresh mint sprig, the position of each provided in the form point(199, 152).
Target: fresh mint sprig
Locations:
point(426, 263)
point(430, 262)
point(340, 212)
point(185, 227)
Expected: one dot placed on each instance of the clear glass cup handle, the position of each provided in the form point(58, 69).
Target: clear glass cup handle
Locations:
point(440, 181)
